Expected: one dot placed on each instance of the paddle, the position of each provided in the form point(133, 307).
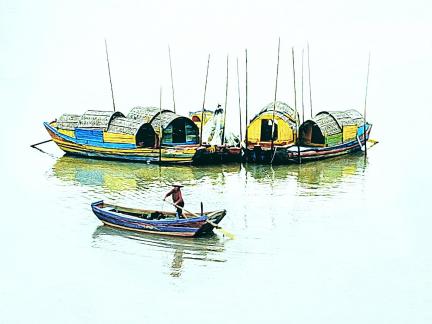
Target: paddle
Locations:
point(226, 233)
point(34, 145)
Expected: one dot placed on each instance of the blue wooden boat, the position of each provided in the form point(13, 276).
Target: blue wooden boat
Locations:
point(156, 222)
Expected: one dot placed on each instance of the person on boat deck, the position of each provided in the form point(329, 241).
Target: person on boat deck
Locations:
point(177, 198)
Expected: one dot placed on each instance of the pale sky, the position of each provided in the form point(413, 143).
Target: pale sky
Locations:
point(53, 56)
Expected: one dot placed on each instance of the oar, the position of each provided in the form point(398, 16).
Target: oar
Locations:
point(226, 233)
point(373, 142)
point(34, 145)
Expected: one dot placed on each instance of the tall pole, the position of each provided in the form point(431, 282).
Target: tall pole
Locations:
point(109, 73)
point(310, 88)
point(172, 80)
point(295, 108)
point(205, 90)
point(246, 101)
point(364, 114)
point(302, 97)
point(225, 108)
point(160, 125)
point(275, 95)
point(238, 89)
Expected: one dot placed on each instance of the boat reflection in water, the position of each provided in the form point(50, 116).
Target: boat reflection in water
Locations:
point(124, 176)
point(330, 172)
point(315, 176)
point(209, 248)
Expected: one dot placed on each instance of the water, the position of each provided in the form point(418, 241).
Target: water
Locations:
point(329, 241)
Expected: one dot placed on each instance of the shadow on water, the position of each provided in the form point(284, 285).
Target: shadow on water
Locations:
point(208, 248)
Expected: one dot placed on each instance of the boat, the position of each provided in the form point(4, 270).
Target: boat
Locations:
point(156, 222)
point(328, 134)
point(145, 134)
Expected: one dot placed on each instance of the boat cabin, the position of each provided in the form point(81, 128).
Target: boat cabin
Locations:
point(176, 130)
point(140, 128)
point(329, 128)
point(261, 130)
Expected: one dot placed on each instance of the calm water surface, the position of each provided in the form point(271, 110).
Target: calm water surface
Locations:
point(341, 240)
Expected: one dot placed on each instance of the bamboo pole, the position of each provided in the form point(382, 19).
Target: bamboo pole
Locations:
point(310, 87)
point(295, 108)
point(226, 99)
point(364, 114)
point(160, 125)
point(302, 88)
point(109, 73)
point(238, 89)
point(274, 101)
point(172, 80)
point(246, 101)
point(205, 90)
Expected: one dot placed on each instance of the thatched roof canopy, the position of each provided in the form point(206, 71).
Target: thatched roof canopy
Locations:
point(332, 122)
point(68, 121)
point(282, 110)
point(123, 125)
point(97, 119)
point(144, 114)
point(166, 118)
point(331, 127)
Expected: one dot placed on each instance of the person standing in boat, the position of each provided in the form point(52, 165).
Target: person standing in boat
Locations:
point(177, 198)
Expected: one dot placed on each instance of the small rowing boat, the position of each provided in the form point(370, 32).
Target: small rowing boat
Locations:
point(157, 222)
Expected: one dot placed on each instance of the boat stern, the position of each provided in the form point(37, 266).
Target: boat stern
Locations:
point(213, 217)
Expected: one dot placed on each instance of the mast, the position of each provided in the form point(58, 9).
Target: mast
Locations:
point(274, 101)
point(160, 125)
point(246, 101)
point(172, 80)
point(364, 114)
point(302, 97)
point(295, 108)
point(205, 90)
point(109, 73)
point(310, 88)
point(226, 99)
point(238, 88)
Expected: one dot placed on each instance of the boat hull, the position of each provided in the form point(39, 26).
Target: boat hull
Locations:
point(129, 219)
point(217, 154)
point(296, 154)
